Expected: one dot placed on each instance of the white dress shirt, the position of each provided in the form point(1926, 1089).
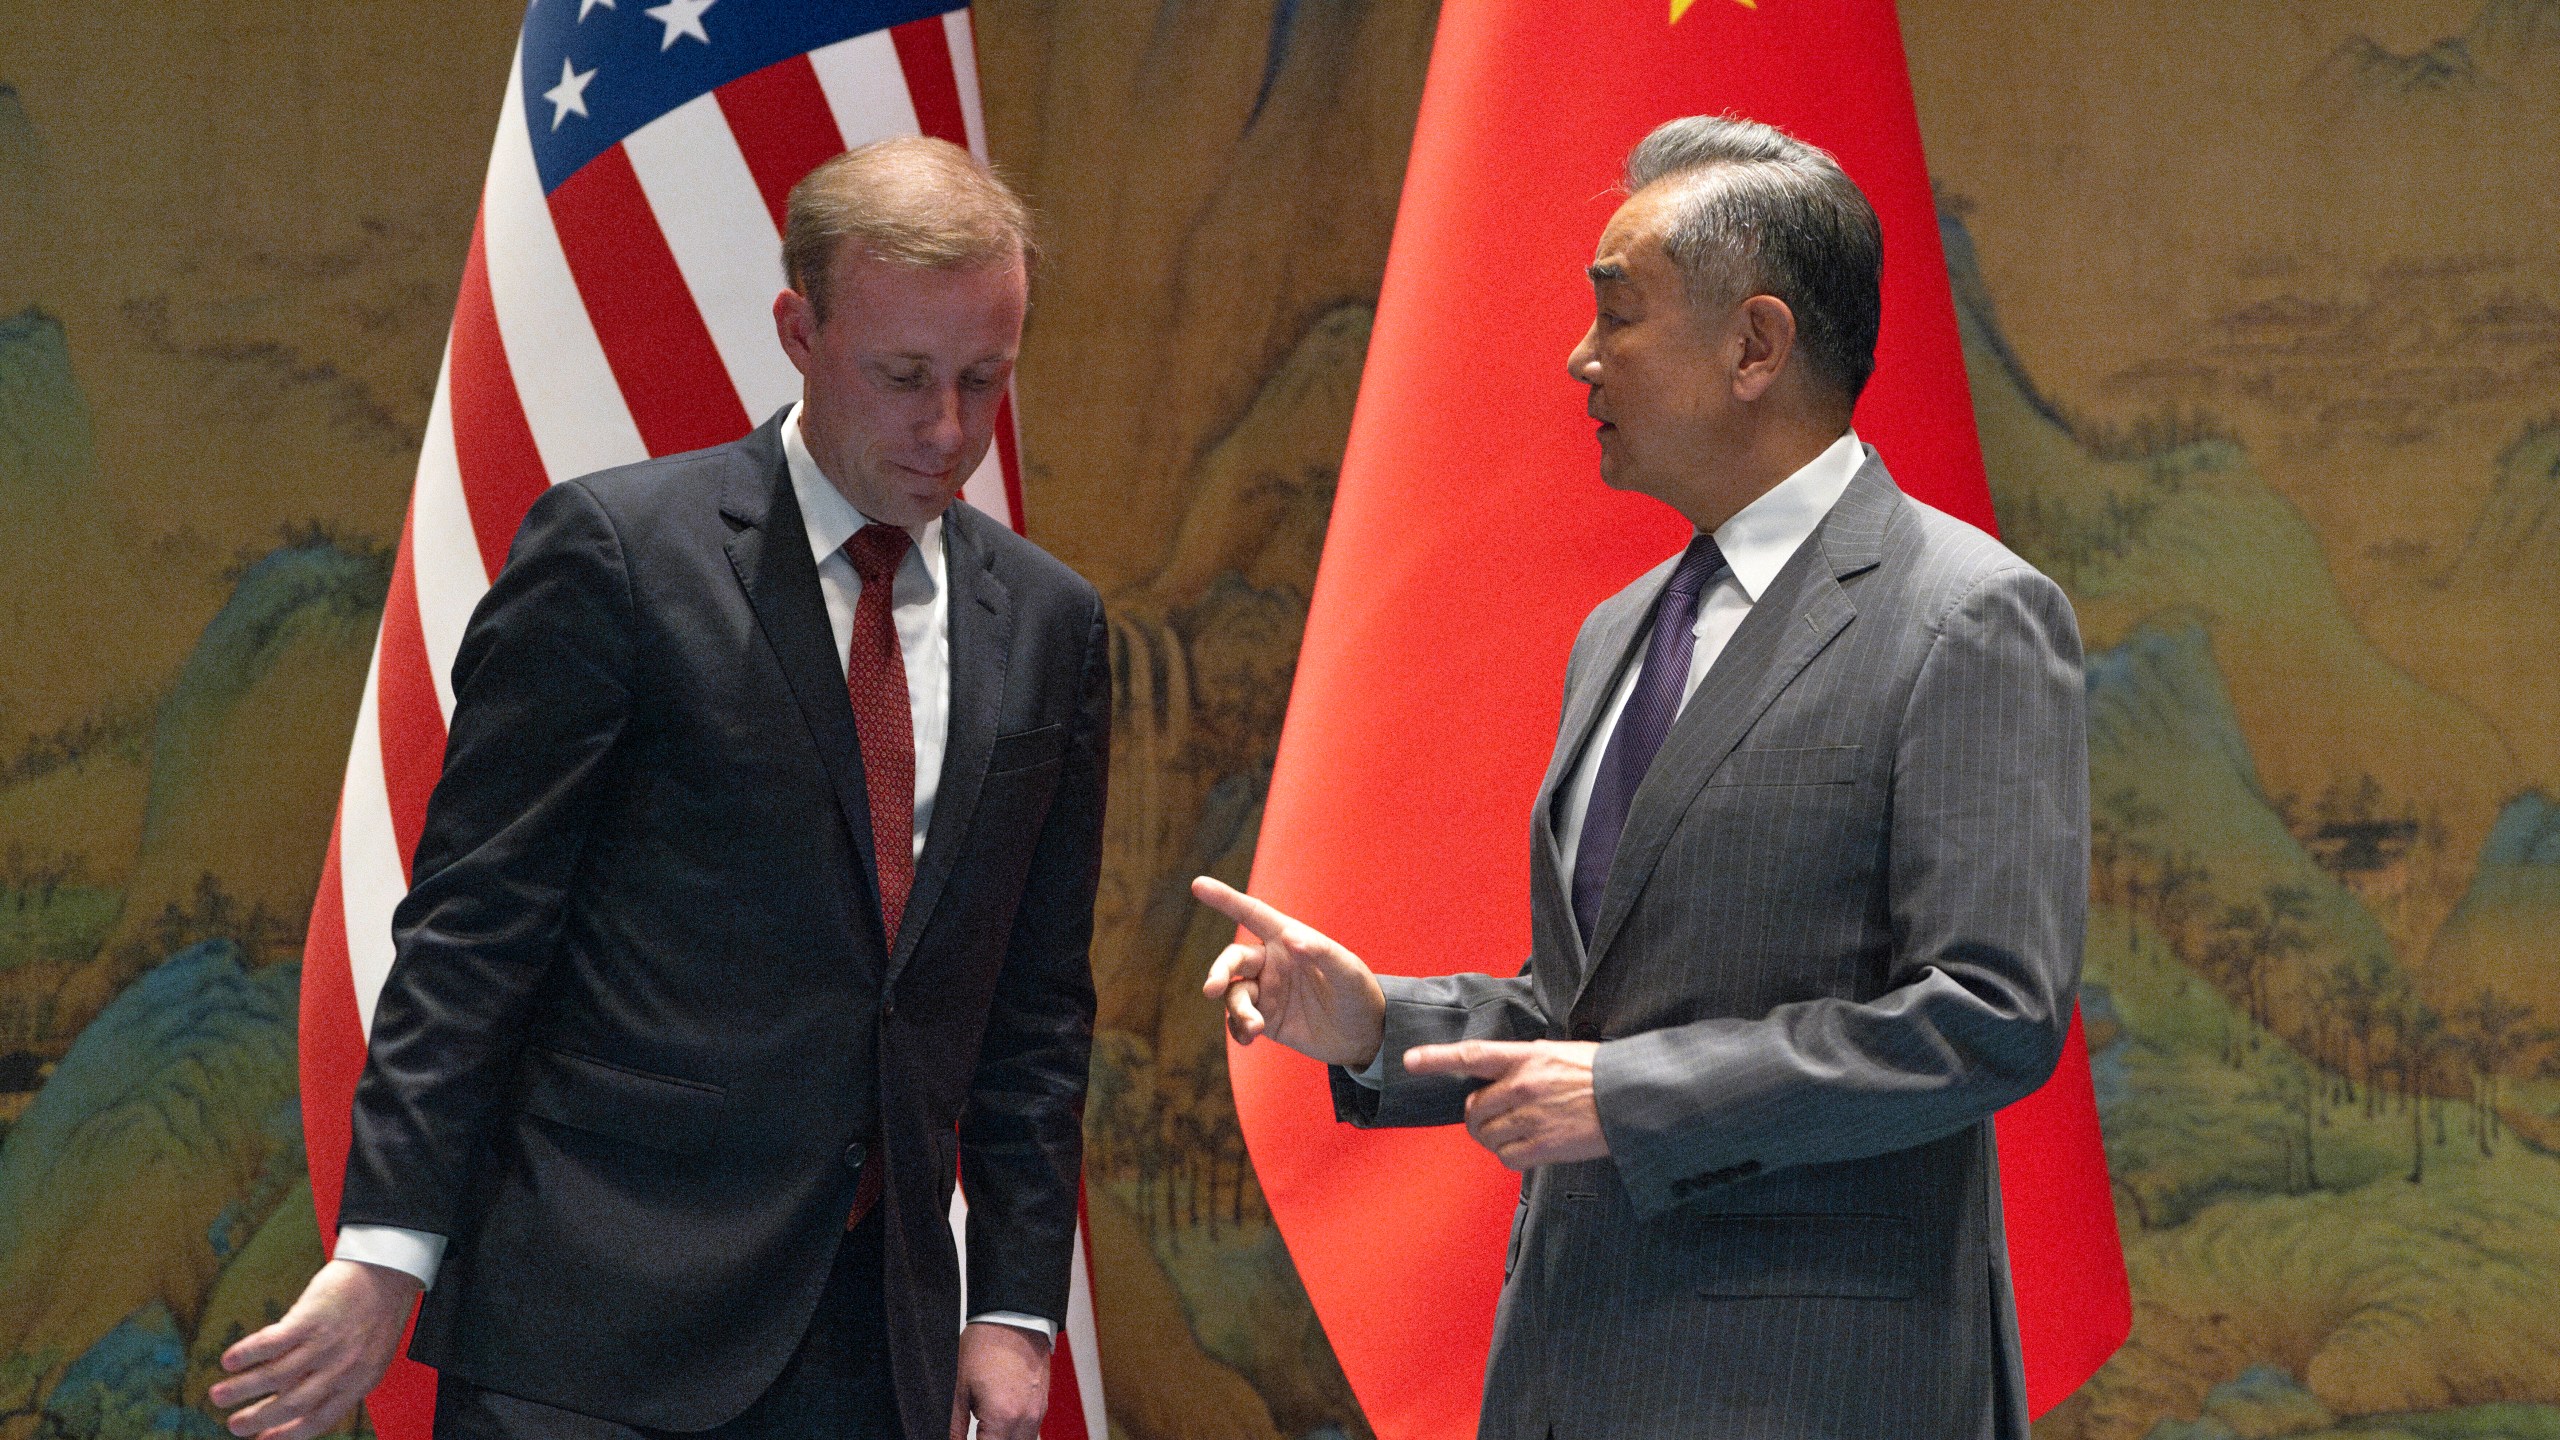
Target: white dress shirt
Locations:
point(1757, 543)
point(920, 606)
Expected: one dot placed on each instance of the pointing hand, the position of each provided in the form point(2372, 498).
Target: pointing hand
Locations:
point(1537, 1107)
point(1292, 983)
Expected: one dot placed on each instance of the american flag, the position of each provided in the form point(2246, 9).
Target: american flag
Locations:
point(615, 304)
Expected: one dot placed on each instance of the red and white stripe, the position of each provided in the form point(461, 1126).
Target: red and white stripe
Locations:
point(626, 315)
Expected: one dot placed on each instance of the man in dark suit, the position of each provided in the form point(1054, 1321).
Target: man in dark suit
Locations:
point(755, 896)
point(1807, 884)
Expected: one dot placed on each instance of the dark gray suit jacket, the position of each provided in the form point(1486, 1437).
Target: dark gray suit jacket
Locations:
point(644, 1029)
point(1843, 927)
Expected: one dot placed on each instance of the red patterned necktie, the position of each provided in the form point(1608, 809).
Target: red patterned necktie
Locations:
point(876, 675)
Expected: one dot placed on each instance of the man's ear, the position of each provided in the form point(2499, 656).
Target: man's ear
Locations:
point(795, 324)
point(1767, 331)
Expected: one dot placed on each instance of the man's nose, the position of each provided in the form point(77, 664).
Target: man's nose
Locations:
point(942, 428)
point(1582, 364)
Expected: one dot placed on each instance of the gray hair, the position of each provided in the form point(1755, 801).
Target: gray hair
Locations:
point(912, 201)
point(1779, 217)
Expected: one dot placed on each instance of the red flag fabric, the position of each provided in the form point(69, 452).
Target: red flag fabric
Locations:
point(1470, 535)
point(615, 304)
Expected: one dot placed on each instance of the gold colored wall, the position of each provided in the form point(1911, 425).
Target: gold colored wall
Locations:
point(2262, 309)
point(230, 236)
point(2263, 320)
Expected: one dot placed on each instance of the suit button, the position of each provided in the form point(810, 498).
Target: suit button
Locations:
point(855, 1154)
point(1587, 1031)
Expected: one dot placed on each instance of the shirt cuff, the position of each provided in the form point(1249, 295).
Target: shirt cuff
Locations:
point(1046, 1329)
point(412, 1252)
point(1373, 1074)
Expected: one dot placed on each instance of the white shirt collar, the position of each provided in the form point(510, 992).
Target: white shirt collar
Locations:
point(1759, 540)
point(830, 518)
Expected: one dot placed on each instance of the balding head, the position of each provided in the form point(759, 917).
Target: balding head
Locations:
point(914, 201)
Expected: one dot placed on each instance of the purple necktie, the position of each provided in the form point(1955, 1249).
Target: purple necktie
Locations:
point(1655, 703)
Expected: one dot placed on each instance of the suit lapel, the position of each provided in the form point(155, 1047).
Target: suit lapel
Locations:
point(981, 615)
point(1613, 648)
point(1799, 615)
point(769, 550)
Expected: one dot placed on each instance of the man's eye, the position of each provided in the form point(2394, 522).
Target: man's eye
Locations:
point(981, 382)
point(905, 379)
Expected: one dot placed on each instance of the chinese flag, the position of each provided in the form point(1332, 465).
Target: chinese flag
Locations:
point(1470, 535)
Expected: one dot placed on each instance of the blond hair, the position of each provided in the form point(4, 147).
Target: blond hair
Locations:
point(911, 201)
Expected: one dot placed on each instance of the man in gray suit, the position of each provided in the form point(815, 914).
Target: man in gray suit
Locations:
point(1807, 888)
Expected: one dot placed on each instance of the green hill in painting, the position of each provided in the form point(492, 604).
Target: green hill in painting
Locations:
point(2386, 1297)
point(159, 1154)
point(21, 193)
point(2213, 905)
point(2487, 627)
point(2329, 1231)
point(2361, 1241)
point(72, 752)
point(2185, 834)
point(73, 743)
point(2506, 933)
point(289, 648)
point(62, 643)
point(223, 783)
point(2162, 522)
point(2502, 947)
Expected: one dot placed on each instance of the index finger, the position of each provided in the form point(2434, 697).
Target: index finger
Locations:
point(260, 1347)
point(1479, 1059)
point(1265, 922)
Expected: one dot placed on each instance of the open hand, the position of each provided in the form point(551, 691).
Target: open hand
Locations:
point(1292, 983)
point(1539, 1107)
point(306, 1372)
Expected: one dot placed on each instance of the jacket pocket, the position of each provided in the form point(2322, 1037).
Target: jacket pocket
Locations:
point(1859, 1257)
point(1026, 749)
point(661, 1112)
point(1805, 765)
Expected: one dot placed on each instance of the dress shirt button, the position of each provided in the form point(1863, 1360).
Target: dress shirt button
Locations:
point(855, 1154)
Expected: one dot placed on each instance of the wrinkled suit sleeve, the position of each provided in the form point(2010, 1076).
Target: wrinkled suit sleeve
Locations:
point(1988, 867)
point(1022, 1135)
point(1434, 1011)
point(542, 690)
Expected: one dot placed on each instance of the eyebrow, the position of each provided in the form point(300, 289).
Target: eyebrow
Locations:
point(918, 357)
point(1604, 273)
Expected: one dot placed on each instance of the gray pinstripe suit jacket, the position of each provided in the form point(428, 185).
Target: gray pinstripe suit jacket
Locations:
point(1843, 927)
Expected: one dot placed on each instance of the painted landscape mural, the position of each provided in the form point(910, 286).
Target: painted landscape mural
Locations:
point(2264, 336)
point(2262, 314)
